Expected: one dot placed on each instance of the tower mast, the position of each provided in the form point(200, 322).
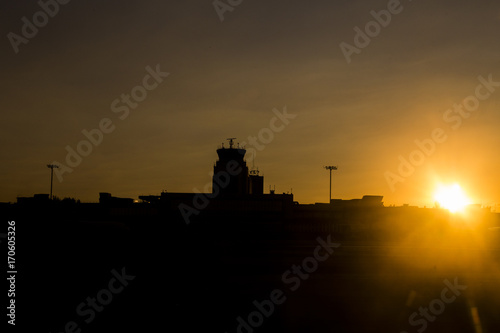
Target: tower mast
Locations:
point(51, 167)
point(330, 167)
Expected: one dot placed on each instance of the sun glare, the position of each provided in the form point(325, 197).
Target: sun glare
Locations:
point(451, 197)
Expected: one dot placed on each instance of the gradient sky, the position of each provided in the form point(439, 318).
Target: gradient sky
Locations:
point(225, 79)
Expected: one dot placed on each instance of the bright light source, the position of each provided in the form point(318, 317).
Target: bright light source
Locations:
point(451, 197)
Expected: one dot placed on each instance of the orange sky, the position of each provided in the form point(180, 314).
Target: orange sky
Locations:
point(226, 77)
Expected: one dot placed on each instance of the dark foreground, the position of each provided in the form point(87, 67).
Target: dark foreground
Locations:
point(144, 275)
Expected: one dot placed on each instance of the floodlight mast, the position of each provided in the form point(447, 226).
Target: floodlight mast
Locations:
point(330, 167)
point(51, 167)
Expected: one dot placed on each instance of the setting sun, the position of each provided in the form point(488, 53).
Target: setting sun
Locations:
point(451, 197)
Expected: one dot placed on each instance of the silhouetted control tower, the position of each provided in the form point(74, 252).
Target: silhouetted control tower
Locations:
point(225, 179)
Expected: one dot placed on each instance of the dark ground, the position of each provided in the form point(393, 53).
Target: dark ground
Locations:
point(189, 279)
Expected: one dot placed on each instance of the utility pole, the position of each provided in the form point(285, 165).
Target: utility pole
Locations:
point(51, 167)
point(330, 167)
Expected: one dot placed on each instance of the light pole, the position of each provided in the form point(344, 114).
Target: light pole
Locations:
point(330, 167)
point(51, 167)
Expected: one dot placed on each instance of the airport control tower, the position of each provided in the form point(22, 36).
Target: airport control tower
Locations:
point(228, 182)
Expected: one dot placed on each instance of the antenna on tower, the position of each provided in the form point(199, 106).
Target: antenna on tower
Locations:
point(231, 142)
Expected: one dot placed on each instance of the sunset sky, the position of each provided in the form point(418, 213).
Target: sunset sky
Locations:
point(360, 112)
